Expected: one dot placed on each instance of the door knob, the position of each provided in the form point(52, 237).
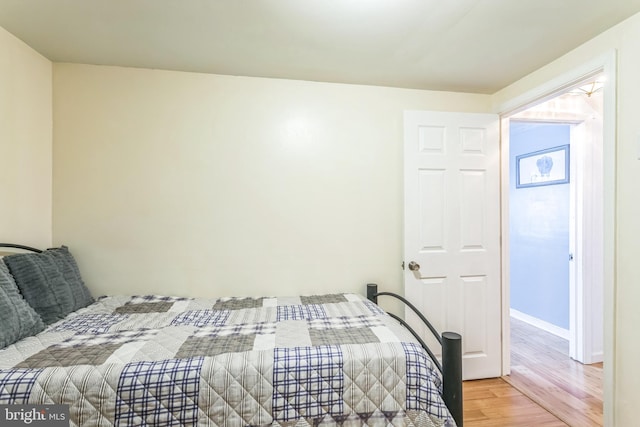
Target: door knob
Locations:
point(414, 266)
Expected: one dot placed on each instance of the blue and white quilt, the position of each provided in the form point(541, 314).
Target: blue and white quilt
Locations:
point(171, 361)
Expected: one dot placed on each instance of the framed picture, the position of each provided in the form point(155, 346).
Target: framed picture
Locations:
point(544, 167)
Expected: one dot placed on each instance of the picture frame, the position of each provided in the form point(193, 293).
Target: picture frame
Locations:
point(544, 167)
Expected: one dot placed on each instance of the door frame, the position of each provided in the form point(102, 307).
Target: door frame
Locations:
point(603, 64)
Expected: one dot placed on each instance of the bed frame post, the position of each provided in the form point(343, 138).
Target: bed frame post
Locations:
point(452, 374)
point(372, 292)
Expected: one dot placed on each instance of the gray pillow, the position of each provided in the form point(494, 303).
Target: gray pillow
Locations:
point(17, 318)
point(50, 282)
point(71, 273)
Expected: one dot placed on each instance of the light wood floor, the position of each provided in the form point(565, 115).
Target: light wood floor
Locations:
point(545, 388)
point(495, 403)
point(541, 369)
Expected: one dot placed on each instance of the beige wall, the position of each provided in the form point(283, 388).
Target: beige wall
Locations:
point(194, 184)
point(625, 39)
point(25, 144)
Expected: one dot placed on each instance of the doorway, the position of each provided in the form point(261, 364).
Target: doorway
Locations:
point(556, 250)
point(557, 222)
point(539, 221)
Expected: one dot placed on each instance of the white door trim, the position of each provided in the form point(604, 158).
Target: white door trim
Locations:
point(587, 228)
point(607, 64)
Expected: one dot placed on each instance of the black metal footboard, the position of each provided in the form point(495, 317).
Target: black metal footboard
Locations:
point(451, 343)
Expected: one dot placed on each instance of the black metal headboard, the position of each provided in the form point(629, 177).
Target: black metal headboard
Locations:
point(14, 246)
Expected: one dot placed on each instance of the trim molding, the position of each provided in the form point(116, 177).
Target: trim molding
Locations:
point(540, 324)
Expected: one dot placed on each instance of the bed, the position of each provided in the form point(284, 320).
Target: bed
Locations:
point(306, 360)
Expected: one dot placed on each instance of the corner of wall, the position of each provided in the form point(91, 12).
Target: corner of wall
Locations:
point(26, 136)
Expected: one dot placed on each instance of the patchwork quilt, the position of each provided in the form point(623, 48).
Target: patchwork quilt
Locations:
point(165, 361)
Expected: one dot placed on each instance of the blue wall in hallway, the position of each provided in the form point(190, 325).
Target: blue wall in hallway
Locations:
point(539, 231)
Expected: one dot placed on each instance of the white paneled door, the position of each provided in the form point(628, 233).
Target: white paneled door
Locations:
point(452, 231)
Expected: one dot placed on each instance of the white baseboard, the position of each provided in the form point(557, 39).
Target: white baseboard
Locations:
point(595, 358)
point(541, 324)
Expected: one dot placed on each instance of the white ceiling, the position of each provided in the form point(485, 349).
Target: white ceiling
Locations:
point(460, 45)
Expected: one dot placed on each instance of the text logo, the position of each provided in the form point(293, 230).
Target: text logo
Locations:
point(34, 415)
